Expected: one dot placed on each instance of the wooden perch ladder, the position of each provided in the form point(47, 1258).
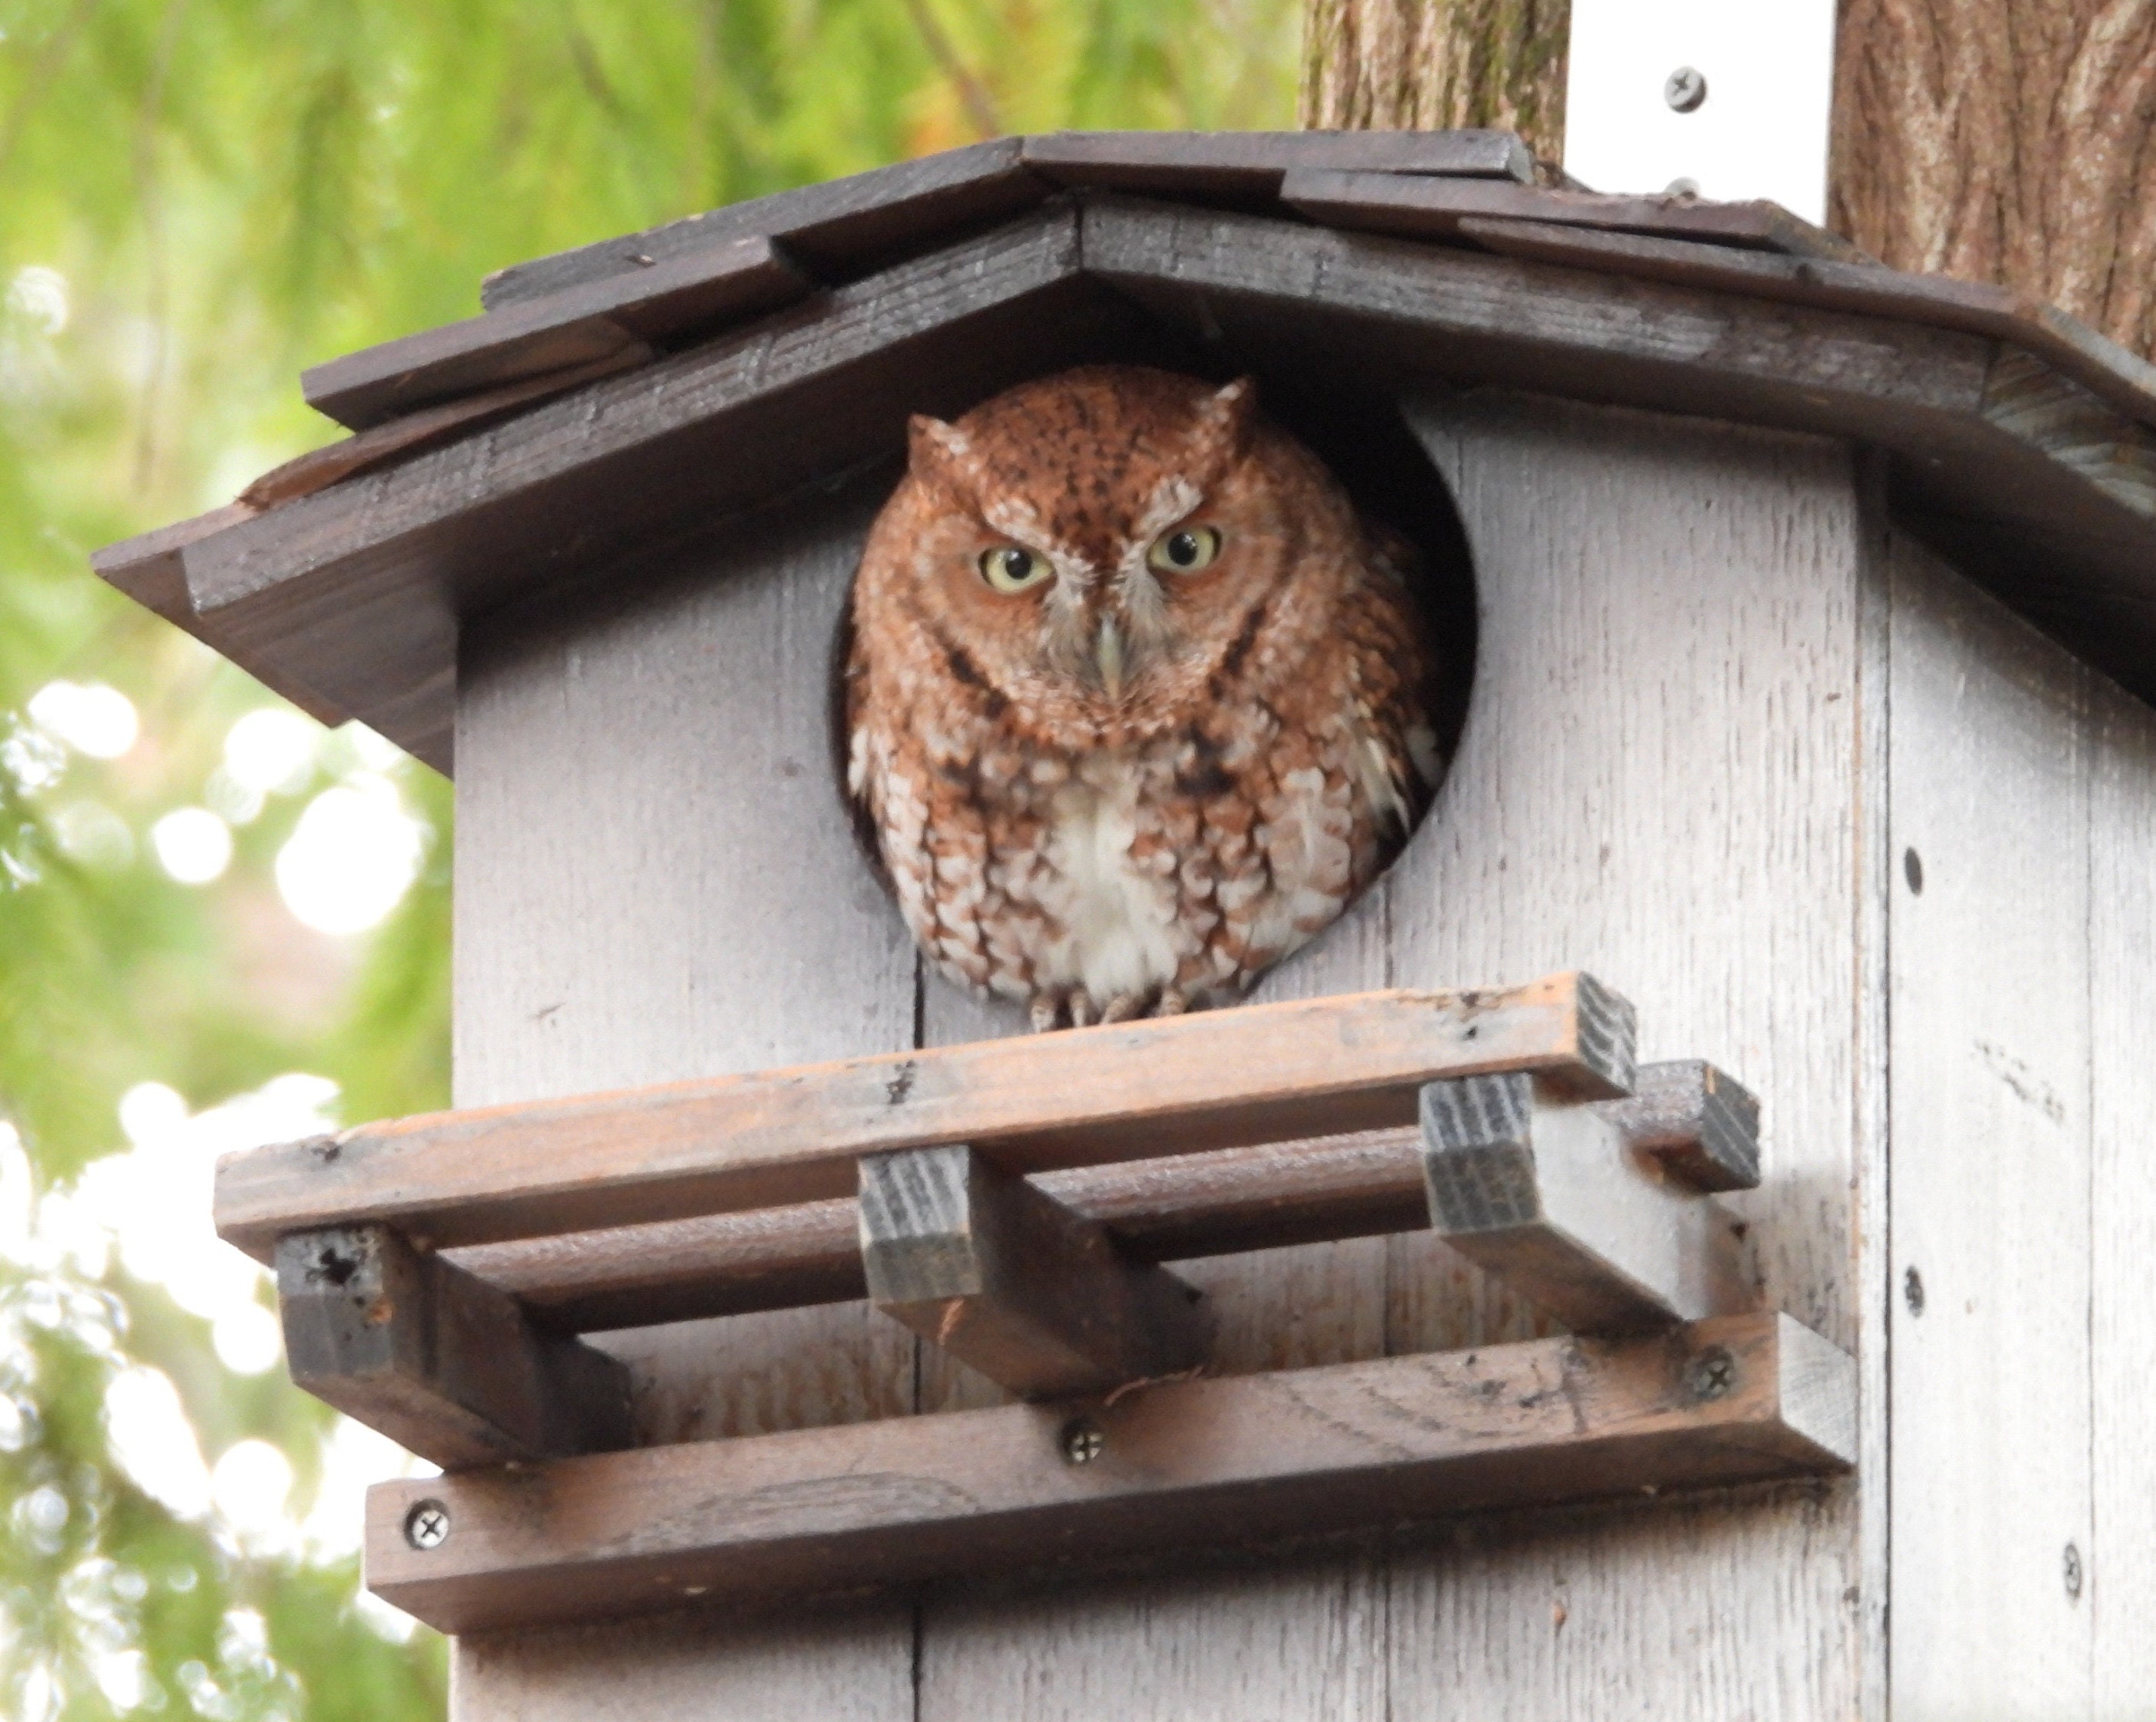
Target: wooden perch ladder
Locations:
point(1011, 1201)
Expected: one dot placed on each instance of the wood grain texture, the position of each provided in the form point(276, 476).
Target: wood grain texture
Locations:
point(1701, 1123)
point(2120, 1597)
point(436, 1358)
point(1126, 1091)
point(655, 883)
point(1947, 151)
point(1390, 63)
point(565, 330)
point(1693, 591)
point(1428, 207)
point(1549, 1199)
point(979, 1262)
point(836, 227)
point(1180, 1464)
point(1202, 165)
point(1991, 1217)
point(1230, 1201)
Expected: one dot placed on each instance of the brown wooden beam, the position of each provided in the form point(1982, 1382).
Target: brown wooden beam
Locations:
point(1175, 1466)
point(975, 1259)
point(1551, 1198)
point(1089, 1096)
point(436, 1358)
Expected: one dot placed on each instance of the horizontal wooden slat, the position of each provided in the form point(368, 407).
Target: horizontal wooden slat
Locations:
point(1863, 287)
point(1128, 1091)
point(1222, 1203)
point(844, 225)
point(1427, 207)
point(565, 330)
point(1201, 165)
point(833, 228)
point(1183, 1464)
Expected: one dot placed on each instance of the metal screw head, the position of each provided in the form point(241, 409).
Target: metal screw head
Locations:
point(1711, 1374)
point(1684, 89)
point(427, 1525)
point(1083, 1443)
point(1912, 1291)
point(2073, 1573)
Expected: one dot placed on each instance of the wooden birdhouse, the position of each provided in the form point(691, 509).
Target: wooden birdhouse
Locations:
point(1677, 1246)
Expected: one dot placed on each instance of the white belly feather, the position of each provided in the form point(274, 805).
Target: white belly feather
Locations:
point(1119, 934)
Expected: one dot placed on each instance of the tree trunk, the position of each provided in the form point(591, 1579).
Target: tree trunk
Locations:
point(1387, 65)
point(2007, 140)
point(2004, 141)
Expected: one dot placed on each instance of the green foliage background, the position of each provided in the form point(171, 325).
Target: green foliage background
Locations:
point(229, 190)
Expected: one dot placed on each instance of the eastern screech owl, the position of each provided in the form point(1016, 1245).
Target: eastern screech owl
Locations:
point(1134, 704)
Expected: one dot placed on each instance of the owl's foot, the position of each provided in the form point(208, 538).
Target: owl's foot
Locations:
point(1045, 1014)
point(1124, 1006)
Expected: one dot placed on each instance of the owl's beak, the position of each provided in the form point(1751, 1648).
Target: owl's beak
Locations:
point(1108, 654)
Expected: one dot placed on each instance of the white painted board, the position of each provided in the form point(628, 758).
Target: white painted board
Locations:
point(1761, 130)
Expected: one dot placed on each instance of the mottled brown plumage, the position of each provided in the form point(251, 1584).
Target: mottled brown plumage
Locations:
point(1136, 703)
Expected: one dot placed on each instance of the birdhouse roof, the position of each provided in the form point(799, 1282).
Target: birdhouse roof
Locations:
point(622, 394)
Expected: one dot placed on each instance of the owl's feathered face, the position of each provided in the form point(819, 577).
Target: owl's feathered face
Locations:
point(1101, 552)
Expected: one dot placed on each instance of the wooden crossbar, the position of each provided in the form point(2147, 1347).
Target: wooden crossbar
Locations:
point(1176, 1465)
point(1086, 1097)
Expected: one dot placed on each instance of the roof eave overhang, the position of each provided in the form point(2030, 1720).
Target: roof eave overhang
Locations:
point(2009, 431)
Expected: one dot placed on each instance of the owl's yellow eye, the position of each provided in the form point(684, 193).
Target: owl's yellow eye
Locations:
point(1009, 568)
point(1185, 550)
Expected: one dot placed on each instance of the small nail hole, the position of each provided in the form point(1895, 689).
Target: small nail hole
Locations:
point(1912, 869)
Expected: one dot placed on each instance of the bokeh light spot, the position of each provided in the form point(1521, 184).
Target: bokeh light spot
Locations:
point(92, 718)
point(194, 845)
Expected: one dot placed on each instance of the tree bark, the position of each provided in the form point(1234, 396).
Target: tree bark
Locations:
point(1427, 65)
point(2006, 141)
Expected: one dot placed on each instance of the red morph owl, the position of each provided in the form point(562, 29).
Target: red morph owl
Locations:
point(1136, 703)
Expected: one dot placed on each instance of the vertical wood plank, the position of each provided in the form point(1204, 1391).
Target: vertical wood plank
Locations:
point(2121, 1568)
point(655, 880)
point(1871, 1101)
point(1990, 1195)
point(1659, 780)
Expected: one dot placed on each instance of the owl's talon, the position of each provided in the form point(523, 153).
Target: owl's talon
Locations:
point(1044, 1014)
point(1172, 1004)
point(1082, 1009)
point(1123, 1006)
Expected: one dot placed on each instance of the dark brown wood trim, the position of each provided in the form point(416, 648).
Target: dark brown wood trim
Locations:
point(1432, 208)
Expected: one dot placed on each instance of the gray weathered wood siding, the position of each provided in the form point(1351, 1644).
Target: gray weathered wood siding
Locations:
point(2023, 1211)
point(1679, 772)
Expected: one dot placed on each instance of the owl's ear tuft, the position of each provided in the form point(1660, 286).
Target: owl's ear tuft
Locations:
point(1224, 421)
point(937, 454)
